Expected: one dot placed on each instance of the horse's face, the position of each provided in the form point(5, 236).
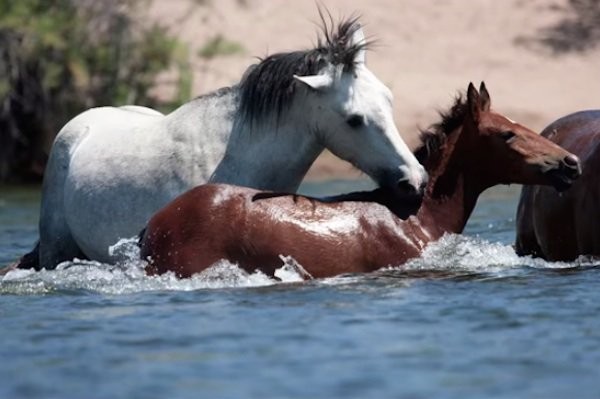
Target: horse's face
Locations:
point(512, 153)
point(353, 118)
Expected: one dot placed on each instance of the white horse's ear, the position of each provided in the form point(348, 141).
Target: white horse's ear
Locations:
point(358, 39)
point(316, 82)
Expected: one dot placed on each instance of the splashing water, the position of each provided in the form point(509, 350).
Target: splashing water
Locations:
point(128, 276)
point(454, 253)
point(291, 271)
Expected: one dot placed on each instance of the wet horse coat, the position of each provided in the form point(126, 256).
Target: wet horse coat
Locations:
point(470, 150)
point(562, 227)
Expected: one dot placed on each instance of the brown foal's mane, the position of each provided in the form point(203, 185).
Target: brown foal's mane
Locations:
point(435, 137)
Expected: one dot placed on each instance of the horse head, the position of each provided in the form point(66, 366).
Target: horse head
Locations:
point(508, 152)
point(352, 114)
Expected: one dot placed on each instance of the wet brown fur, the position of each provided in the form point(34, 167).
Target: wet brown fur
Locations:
point(470, 150)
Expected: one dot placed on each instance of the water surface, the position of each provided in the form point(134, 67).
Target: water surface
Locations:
point(468, 319)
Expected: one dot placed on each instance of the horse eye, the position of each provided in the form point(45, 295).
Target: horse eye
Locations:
point(354, 120)
point(507, 135)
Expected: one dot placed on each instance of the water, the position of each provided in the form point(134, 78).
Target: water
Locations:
point(468, 319)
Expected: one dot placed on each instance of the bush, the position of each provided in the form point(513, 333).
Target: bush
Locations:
point(60, 57)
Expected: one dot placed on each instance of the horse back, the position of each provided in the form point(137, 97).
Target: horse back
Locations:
point(578, 133)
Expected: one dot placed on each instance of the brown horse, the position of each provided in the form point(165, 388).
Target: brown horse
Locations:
point(564, 226)
point(471, 149)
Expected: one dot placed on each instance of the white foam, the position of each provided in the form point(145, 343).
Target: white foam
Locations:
point(450, 253)
point(464, 253)
point(125, 279)
point(125, 248)
point(128, 276)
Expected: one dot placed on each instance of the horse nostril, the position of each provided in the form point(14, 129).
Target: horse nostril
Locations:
point(571, 161)
point(571, 166)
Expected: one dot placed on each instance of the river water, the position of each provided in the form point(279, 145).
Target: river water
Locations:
point(468, 319)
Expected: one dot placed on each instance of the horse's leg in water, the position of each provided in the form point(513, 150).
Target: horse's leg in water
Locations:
point(56, 242)
point(30, 260)
point(526, 241)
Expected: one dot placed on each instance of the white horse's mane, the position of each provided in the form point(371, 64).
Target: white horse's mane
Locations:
point(267, 87)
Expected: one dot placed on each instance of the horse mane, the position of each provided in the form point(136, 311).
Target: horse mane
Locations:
point(268, 86)
point(435, 137)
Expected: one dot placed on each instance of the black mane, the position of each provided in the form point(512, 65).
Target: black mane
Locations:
point(434, 139)
point(268, 86)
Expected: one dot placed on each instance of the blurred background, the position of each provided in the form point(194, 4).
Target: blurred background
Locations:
point(540, 59)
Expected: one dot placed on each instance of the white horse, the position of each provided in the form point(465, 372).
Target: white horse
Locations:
point(110, 169)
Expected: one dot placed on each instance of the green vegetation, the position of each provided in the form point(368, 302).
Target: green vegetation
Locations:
point(218, 46)
point(58, 58)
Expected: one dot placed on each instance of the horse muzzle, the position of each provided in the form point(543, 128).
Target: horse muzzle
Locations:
point(567, 171)
point(405, 188)
point(405, 183)
point(413, 180)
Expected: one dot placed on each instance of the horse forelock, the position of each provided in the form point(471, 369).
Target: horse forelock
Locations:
point(336, 41)
point(266, 88)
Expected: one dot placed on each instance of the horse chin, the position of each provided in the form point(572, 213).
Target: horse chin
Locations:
point(560, 181)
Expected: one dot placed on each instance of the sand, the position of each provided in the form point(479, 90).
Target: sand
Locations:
point(427, 50)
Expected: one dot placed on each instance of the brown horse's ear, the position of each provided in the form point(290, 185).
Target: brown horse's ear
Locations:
point(473, 102)
point(484, 98)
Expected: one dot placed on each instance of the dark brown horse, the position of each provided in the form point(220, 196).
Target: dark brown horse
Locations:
point(564, 226)
point(471, 149)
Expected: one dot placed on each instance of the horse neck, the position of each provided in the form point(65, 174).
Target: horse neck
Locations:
point(270, 153)
point(453, 189)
